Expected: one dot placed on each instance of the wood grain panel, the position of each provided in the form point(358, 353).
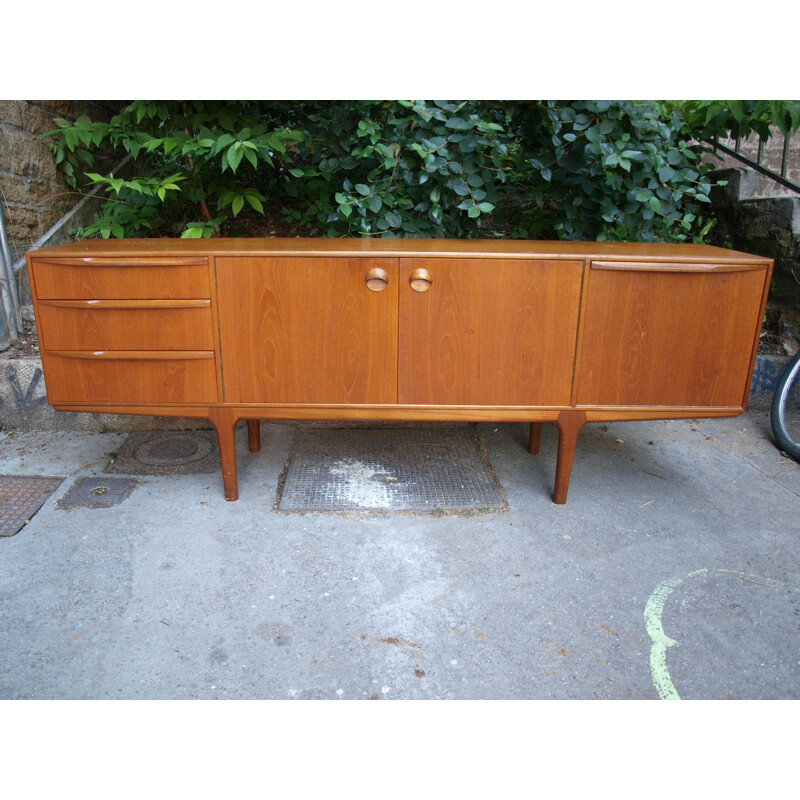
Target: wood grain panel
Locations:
point(93, 328)
point(489, 332)
point(126, 380)
point(155, 281)
point(307, 330)
point(666, 338)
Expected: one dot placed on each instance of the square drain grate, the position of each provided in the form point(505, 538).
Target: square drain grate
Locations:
point(97, 492)
point(167, 453)
point(389, 469)
point(20, 498)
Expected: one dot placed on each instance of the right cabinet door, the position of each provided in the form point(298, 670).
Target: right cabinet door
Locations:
point(669, 334)
point(476, 332)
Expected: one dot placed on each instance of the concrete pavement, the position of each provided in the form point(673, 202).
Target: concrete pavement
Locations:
point(671, 572)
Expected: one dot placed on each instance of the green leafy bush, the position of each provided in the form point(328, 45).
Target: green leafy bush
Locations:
point(197, 164)
point(732, 118)
point(615, 170)
point(398, 168)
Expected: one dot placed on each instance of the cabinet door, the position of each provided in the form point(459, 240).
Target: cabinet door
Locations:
point(498, 332)
point(308, 330)
point(669, 335)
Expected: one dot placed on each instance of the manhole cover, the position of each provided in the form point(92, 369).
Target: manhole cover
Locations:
point(97, 492)
point(389, 469)
point(20, 498)
point(173, 450)
point(167, 453)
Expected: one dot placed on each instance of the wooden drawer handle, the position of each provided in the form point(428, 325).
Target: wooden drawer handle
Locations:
point(683, 266)
point(420, 280)
point(113, 305)
point(377, 279)
point(131, 261)
point(134, 355)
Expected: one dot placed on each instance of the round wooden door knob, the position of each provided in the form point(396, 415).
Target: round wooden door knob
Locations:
point(377, 279)
point(420, 280)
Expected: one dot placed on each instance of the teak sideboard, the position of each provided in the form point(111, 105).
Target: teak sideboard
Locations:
point(398, 329)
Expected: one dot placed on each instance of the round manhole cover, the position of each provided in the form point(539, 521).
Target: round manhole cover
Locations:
point(172, 450)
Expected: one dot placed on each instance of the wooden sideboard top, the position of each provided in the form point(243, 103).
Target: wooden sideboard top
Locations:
point(398, 248)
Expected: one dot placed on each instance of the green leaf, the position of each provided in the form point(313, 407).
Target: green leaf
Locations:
point(458, 124)
point(234, 156)
point(737, 109)
point(363, 189)
point(251, 157)
point(458, 186)
point(666, 174)
point(255, 203)
point(298, 173)
point(238, 204)
point(474, 211)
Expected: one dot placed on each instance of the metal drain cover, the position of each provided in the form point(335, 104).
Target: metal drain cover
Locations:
point(97, 492)
point(20, 498)
point(167, 453)
point(389, 469)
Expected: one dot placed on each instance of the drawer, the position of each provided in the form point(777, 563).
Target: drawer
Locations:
point(76, 278)
point(130, 377)
point(125, 325)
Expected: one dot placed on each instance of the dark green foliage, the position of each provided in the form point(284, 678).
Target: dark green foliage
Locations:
point(617, 170)
point(398, 168)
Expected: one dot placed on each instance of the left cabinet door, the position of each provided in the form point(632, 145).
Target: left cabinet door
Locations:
point(308, 330)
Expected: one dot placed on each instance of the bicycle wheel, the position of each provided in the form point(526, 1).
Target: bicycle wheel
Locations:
point(785, 413)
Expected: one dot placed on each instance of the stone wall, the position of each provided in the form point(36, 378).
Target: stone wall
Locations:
point(33, 192)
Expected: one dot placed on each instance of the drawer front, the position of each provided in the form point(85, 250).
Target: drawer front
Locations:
point(91, 325)
point(84, 279)
point(674, 335)
point(117, 377)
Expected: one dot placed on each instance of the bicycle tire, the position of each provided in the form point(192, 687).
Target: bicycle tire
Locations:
point(789, 377)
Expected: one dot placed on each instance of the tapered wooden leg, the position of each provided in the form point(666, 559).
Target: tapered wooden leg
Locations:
point(254, 435)
point(225, 423)
point(569, 425)
point(535, 437)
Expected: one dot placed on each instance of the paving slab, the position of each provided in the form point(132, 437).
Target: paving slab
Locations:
point(670, 573)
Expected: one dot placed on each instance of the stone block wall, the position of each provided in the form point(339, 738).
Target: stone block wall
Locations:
point(33, 192)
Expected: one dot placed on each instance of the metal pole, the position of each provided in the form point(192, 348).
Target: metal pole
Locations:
point(9, 285)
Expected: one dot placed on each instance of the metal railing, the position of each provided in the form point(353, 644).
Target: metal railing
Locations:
point(758, 165)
